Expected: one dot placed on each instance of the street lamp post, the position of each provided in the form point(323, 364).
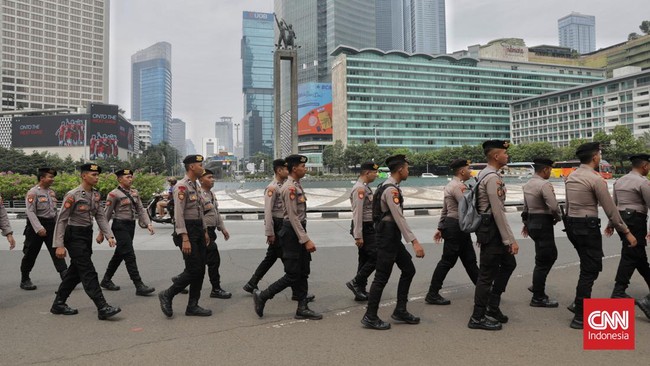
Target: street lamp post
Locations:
point(375, 130)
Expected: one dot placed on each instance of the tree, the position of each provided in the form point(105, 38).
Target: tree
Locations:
point(333, 156)
point(632, 36)
point(624, 145)
point(533, 150)
point(645, 27)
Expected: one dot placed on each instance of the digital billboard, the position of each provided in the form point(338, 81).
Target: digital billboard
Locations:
point(102, 131)
point(314, 109)
point(48, 131)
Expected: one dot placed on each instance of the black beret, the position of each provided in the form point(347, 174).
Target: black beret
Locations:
point(543, 161)
point(369, 165)
point(279, 163)
point(588, 147)
point(458, 163)
point(190, 159)
point(638, 157)
point(122, 172)
point(395, 160)
point(90, 168)
point(296, 159)
point(47, 170)
point(206, 172)
point(496, 144)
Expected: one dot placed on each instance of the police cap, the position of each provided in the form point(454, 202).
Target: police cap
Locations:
point(279, 163)
point(369, 165)
point(295, 159)
point(122, 172)
point(458, 163)
point(206, 172)
point(46, 170)
point(496, 144)
point(90, 168)
point(191, 159)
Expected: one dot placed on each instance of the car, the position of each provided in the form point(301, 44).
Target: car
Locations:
point(428, 175)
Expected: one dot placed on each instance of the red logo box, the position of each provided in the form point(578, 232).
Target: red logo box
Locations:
point(608, 324)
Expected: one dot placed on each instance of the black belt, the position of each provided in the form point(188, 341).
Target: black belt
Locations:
point(634, 213)
point(581, 220)
point(46, 219)
point(124, 221)
point(194, 222)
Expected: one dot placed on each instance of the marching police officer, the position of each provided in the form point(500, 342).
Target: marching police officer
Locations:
point(123, 205)
point(458, 244)
point(5, 226)
point(541, 213)
point(363, 230)
point(498, 244)
point(74, 232)
point(296, 244)
point(632, 198)
point(391, 226)
point(40, 204)
point(213, 222)
point(191, 235)
point(585, 189)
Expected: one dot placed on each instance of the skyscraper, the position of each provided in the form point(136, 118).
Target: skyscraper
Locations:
point(151, 89)
point(223, 131)
point(416, 26)
point(578, 31)
point(177, 135)
point(54, 54)
point(257, 71)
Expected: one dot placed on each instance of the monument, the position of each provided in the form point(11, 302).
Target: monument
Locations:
point(286, 50)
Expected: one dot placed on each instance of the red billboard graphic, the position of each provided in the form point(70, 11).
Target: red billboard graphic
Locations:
point(48, 131)
point(318, 121)
point(314, 109)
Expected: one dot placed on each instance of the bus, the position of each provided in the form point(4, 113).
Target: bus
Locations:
point(562, 169)
point(476, 168)
point(512, 170)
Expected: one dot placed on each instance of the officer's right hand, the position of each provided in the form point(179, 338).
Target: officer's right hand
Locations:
point(609, 231)
point(100, 238)
point(514, 248)
point(419, 251)
point(60, 252)
point(310, 246)
point(270, 239)
point(42, 233)
point(437, 237)
point(358, 242)
point(524, 232)
point(630, 238)
point(186, 248)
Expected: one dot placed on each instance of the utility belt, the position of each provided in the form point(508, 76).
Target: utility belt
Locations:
point(539, 221)
point(633, 217)
point(583, 222)
point(287, 224)
point(45, 220)
point(450, 223)
point(194, 223)
point(125, 222)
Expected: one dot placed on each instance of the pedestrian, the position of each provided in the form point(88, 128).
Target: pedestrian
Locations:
point(5, 225)
point(458, 244)
point(391, 226)
point(73, 233)
point(124, 205)
point(40, 204)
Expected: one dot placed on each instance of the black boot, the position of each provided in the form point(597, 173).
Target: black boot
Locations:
point(105, 311)
point(259, 300)
point(619, 292)
point(166, 303)
point(251, 285)
point(193, 309)
point(402, 315)
point(26, 283)
point(59, 307)
point(644, 305)
point(374, 323)
point(493, 309)
point(304, 312)
point(357, 290)
point(436, 299)
point(543, 302)
point(576, 323)
point(143, 290)
point(108, 284)
point(478, 320)
point(219, 293)
point(183, 291)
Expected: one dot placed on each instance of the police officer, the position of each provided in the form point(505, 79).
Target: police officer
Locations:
point(123, 205)
point(41, 218)
point(191, 236)
point(213, 222)
point(5, 226)
point(363, 230)
point(74, 232)
point(497, 243)
point(296, 244)
point(585, 189)
point(391, 226)
point(632, 198)
point(458, 244)
point(541, 213)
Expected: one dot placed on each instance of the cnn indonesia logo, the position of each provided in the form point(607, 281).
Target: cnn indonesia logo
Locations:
point(609, 324)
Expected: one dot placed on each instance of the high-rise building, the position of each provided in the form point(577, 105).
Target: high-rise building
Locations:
point(223, 131)
point(209, 147)
point(177, 136)
point(416, 26)
point(578, 31)
point(190, 148)
point(54, 54)
point(257, 71)
point(143, 132)
point(151, 89)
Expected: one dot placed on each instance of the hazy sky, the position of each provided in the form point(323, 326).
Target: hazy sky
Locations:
point(205, 36)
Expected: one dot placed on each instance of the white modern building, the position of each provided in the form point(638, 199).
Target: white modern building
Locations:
point(143, 133)
point(578, 31)
point(209, 147)
point(223, 132)
point(54, 54)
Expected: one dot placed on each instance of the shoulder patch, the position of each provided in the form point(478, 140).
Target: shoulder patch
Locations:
point(30, 198)
point(396, 200)
point(182, 188)
point(69, 201)
point(269, 192)
point(361, 192)
point(181, 194)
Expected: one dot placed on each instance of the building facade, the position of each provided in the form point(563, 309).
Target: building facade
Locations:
point(209, 147)
point(578, 31)
point(417, 26)
point(580, 112)
point(151, 89)
point(223, 131)
point(54, 54)
point(143, 133)
point(177, 136)
point(428, 102)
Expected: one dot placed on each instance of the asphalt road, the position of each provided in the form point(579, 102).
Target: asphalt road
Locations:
point(234, 335)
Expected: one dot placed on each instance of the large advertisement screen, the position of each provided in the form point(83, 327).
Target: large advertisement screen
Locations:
point(314, 109)
point(103, 131)
point(44, 131)
point(125, 134)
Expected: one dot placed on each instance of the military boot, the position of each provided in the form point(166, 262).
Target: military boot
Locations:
point(478, 320)
point(436, 299)
point(193, 309)
point(251, 285)
point(402, 315)
point(219, 293)
point(59, 307)
point(165, 299)
point(143, 290)
point(108, 284)
point(493, 309)
point(259, 301)
point(644, 305)
point(304, 312)
point(105, 311)
point(358, 291)
point(26, 283)
point(374, 323)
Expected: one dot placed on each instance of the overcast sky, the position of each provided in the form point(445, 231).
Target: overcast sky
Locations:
point(205, 37)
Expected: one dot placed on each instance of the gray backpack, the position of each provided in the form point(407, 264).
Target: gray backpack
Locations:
point(469, 218)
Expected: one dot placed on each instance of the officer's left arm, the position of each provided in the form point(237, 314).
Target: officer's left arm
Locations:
point(607, 203)
point(221, 226)
point(6, 226)
point(290, 199)
point(494, 188)
point(392, 201)
point(100, 217)
point(551, 201)
point(143, 216)
point(645, 192)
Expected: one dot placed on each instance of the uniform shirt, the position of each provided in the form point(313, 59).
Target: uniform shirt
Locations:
point(492, 195)
point(273, 206)
point(453, 193)
point(188, 204)
point(79, 208)
point(211, 216)
point(40, 202)
point(539, 197)
point(120, 204)
point(5, 226)
point(632, 191)
point(361, 201)
point(585, 189)
point(390, 202)
point(295, 207)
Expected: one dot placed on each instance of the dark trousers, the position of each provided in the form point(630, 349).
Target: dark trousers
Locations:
point(273, 252)
point(540, 229)
point(124, 230)
point(634, 258)
point(367, 255)
point(588, 242)
point(296, 260)
point(213, 259)
point(33, 244)
point(496, 267)
point(194, 270)
point(458, 244)
point(78, 241)
point(390, 251)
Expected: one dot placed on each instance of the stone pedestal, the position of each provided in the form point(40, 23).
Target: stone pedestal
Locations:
point(290, 55)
